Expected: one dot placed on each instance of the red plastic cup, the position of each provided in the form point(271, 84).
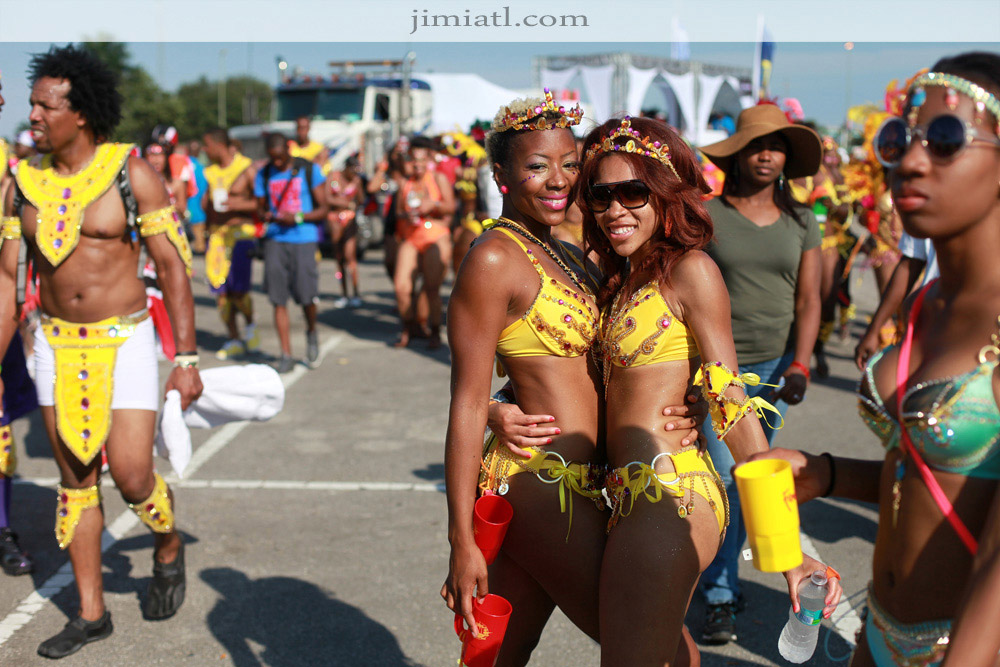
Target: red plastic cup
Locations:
point(492, 614)
point(490, 519)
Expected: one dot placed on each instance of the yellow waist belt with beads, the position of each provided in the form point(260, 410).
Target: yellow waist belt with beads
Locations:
point(584, 479)
point(84, 378)
point(693, 474)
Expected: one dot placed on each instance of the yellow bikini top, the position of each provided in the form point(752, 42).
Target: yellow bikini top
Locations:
point(560, 321)
point(641, 330)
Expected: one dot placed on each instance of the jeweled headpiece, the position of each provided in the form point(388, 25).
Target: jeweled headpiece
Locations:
point(627, 140)
point(983, 99)
point(533, 117)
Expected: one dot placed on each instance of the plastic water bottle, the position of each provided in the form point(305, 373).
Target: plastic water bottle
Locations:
point(798, 638)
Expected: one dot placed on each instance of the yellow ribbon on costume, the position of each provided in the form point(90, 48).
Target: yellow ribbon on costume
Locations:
point(498, 465)
point(647, 482)
point(69, 506)
point(8, 453)
point(567, 476)
point(219, 254)
point(726, 411)
point(84, 378)
point(166, 221)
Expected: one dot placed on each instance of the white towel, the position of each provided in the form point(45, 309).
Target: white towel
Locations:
point(231, 393)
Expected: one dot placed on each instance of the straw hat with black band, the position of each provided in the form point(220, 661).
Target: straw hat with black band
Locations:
point(805, 149)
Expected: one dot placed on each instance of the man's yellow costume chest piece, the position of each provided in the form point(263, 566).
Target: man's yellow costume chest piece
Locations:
point(62, 200)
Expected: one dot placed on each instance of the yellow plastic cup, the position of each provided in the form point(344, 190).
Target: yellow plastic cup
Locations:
point(770, 513)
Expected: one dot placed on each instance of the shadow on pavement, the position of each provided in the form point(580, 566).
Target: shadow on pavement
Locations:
point(432, 472)
point(850, 385)
point(827, 522)
point(295, 623)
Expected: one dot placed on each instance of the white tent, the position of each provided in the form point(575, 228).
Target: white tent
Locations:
point(461, 99)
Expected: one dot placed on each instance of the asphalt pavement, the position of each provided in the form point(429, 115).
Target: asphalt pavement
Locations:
point(319, 537)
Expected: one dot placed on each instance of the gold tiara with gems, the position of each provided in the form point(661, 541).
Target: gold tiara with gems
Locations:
point(984, 100)
point(633, 144)
point(533, 118)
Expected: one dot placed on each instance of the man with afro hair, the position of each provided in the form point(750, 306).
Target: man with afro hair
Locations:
point(90, 212)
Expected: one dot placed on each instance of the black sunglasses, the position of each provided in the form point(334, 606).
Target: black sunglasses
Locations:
point(944, 137)
point(630, 194)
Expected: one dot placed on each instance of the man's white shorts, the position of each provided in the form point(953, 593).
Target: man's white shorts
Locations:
point(137, 378)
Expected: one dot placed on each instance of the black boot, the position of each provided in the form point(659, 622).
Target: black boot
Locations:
point(13, 559)
point(73, 637)
point(166, 591)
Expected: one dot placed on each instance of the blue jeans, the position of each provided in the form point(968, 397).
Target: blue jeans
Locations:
point(720, 582)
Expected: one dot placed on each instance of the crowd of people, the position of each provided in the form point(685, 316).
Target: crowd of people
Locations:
point(655, 307)
point(670, 292)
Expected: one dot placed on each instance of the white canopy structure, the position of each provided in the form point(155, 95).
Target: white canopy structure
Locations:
point(461, 99)
point(617, 83)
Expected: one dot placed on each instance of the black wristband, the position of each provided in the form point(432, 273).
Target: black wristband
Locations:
point(833, 475)
point(185, 354)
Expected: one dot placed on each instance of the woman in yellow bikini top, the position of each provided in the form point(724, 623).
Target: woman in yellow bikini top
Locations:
point(665, 325)
point(520, 296)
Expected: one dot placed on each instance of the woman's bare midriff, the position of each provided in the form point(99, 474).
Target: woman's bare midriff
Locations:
point(920, 566)
point(635, 400)
point(565, 388)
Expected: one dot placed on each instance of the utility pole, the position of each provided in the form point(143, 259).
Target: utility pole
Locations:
point(222, 88)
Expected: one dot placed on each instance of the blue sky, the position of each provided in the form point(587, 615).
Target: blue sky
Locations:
point(823, 76)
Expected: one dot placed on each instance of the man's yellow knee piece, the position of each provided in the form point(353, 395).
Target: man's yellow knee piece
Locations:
point(69, 506)
point(156, 511)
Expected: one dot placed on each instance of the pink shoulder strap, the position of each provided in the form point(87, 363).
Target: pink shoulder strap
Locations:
point(902, 375)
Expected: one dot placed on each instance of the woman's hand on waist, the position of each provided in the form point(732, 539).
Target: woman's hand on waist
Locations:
point(467, 579)
point(690, 417)
point(516, 430)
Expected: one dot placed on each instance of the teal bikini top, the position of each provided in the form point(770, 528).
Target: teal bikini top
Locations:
point(954, 422)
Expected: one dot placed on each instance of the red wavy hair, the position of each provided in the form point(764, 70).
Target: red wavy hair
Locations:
point(684, 224)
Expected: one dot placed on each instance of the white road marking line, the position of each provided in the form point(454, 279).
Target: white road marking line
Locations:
point(277, 485)
point(127, 520)
point(845, 621)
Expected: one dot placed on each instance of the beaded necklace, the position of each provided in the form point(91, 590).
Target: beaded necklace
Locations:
point(518, 229)
point(61, 200)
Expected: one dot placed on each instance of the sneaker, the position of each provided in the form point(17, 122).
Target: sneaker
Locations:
point(230, 349)
point(252, 337)
point(355, 302)
point(13, 559)
point(312, 350)
point(75, 636)
point(285, 364)
point(720, 624)
point(341, 302)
